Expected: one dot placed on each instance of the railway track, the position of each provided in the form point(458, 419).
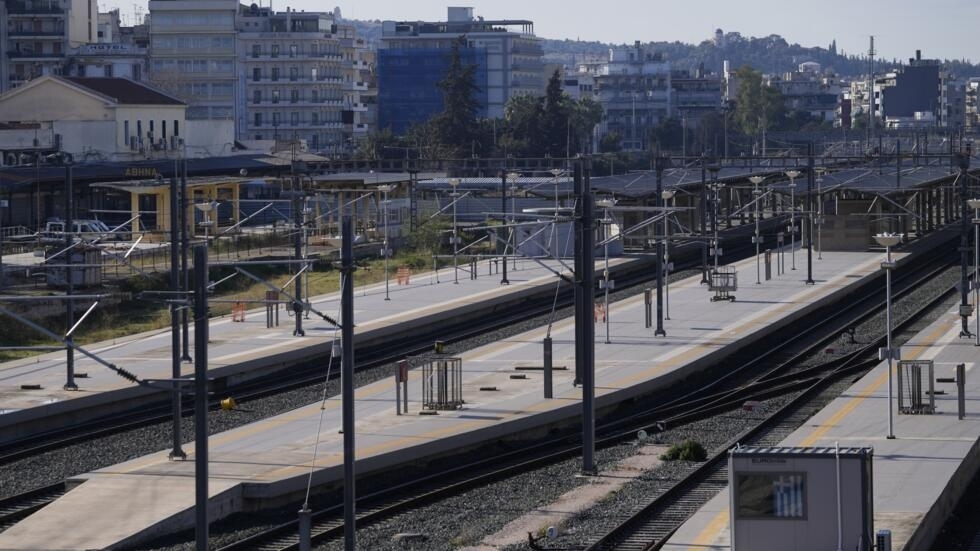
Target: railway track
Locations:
point(684, 498)
point(566, 448)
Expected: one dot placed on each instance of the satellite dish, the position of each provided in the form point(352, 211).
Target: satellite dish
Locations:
point(641, 435)
point(551, 533)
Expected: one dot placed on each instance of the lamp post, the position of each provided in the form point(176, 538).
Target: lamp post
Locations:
point(661, 165)
point(819, 221)
point(606, 283)
point(756, 238)
point(888, 240)
point(454, 182)
point(715, 249)
point(3, 208)
point(206, 209)
point(556, 172)
point(792, 175)
point(69, 279)
point(667, 195)
point(975, 205)
point(386, 251)
point(511, 177)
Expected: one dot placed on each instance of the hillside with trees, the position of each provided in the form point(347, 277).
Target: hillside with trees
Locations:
point(769, 54)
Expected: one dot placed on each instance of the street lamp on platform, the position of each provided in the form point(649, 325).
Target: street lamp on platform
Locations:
point(820, 172)
point(667, 195)
point(975, 205)
point(510, 177)
point(715, 246)
point(454, 182)
point(606, 283)
point(888, 240)
point(756, 238)
point(386, 251)
point(792, 175)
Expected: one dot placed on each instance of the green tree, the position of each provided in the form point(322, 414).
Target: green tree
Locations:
point(554, 124)
point(757, 106)
point(611, 142)
point(456, 124)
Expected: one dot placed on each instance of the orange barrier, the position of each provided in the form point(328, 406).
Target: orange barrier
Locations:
point(238, 311)
point(403, 275)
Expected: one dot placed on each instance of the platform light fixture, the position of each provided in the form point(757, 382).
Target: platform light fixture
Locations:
point(792, 175)
point(386, 251)
point(606, 284)
point(975, 205)
point(889, 240)
point(819, 221)
point(756, 238)
point(667, 195)
point(454, 183)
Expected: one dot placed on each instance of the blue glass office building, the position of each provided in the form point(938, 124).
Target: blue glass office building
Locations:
point(408, 84)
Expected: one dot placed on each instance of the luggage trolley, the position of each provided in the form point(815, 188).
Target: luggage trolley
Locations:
point(723, 281)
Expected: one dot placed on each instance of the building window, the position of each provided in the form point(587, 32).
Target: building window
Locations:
point(257, 96)
point(313, 49)
point(275, 74)
point(313, 96)
point(138, 73)
point(163, 129)
point(176, 128)
point(107, 71)
point(150, 135)
point(293, 50)
point(275, 50)
point(293, 96)
point(126, 131)
point(275, 119)
point(258, 119)
point(256, 74)
point(293, 74)
point(294, 118)
point(139, 130)
point(256, 50)
point(314, 118)
point(275, 96)
point(771, 496)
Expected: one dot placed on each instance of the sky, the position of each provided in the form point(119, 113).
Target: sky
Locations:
point(940, 28)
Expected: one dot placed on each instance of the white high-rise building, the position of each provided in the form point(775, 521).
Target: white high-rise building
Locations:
point(193, 55)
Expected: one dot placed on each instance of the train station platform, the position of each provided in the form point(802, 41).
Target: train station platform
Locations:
point(33, 399)
point(271, 460)
point(918, 477)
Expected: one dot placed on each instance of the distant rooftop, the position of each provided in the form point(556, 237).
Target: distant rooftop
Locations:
point(124, 91)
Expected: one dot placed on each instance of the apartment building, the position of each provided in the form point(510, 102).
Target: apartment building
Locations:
point(193, 56)
point(414, 56)
point(304, 76)
point(634, 88)
point(37, 35)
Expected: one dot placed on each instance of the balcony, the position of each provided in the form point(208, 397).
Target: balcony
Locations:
point(26, 55)
point(31, 8)
point(37, 35)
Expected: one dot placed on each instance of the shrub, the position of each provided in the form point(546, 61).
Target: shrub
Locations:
point(687, 450)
